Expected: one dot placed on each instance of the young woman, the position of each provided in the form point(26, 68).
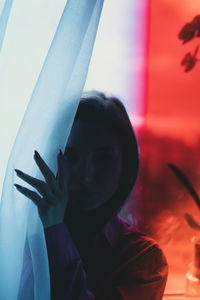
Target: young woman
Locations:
point(93, 253)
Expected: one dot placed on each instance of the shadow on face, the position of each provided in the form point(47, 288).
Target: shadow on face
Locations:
point(93, 162)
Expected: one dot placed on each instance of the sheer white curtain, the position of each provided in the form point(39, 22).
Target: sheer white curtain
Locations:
point(5, 7)
point(45, 127)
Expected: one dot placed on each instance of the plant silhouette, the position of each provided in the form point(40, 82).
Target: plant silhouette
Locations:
point(188, 32)
point(189, 187)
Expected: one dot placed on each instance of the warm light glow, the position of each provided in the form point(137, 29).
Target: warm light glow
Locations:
point(173, 134)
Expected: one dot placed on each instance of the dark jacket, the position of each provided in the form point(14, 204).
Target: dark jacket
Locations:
point(121, 263)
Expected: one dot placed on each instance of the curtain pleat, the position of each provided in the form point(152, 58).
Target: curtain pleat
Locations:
point(45, 127)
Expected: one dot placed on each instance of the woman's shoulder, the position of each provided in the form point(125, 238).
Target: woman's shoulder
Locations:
point(140, 253)
point(141, 268)
point(129, 235)
point(137, 242)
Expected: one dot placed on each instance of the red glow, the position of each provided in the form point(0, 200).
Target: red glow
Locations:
point(171, 92)
point(172, 135)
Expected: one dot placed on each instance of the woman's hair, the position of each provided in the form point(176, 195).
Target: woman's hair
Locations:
point(95, 106)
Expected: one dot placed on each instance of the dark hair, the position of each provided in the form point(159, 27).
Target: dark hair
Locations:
point(95, 106)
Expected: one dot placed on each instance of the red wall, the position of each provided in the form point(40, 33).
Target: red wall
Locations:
point(172, 134)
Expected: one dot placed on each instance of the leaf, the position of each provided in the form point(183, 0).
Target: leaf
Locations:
point(191, 64)
point(187, 33)
point(185, 181)
point(186, 59)
point(196, 51)
point(191, 222)
point(196, 22)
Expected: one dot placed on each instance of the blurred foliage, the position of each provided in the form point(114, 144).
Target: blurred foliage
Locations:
point(189, 32)
point(159, 203)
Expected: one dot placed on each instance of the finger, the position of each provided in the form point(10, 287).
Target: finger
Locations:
point(62, 179)
point(60, 171)
point(31, 195)
point(64, 175)
point(46, 172)
point(36, 183)
point(40, 185)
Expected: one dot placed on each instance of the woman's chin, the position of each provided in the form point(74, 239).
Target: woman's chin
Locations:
point(85, 201)
point(85, 204)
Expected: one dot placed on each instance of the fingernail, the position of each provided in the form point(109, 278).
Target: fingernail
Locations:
point(19, 172)
point(17, 186)
point(37, 154)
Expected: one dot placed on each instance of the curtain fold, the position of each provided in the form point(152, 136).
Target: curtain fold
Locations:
point(45, 127)
point(4, 16)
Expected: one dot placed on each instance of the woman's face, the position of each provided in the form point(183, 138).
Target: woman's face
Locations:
point(93, 162)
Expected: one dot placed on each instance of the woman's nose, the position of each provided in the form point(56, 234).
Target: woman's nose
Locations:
point(84, 172)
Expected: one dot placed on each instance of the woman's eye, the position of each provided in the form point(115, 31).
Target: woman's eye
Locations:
point(102, 158)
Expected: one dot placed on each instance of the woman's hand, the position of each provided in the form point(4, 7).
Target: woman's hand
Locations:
point(52, 200)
